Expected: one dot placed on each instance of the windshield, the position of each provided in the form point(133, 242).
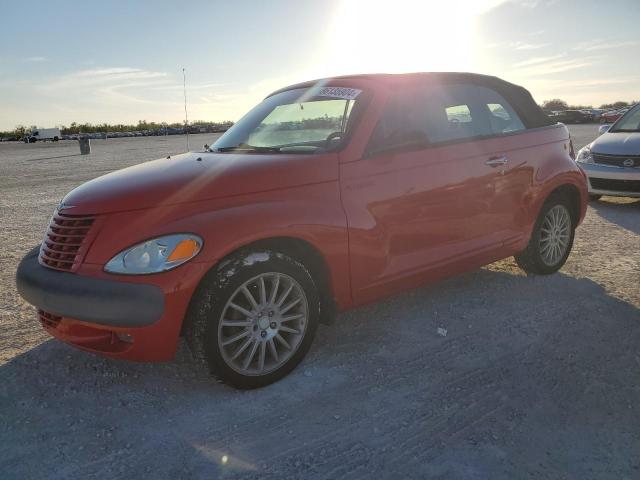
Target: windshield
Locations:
point(630, 122)
point(303, 120)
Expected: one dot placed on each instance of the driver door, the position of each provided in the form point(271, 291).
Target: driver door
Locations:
point(410, 203)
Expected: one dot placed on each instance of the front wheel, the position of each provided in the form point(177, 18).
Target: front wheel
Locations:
point(253, 320)
point(551, 239)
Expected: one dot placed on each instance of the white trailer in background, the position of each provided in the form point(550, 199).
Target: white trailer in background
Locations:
point(43, 134)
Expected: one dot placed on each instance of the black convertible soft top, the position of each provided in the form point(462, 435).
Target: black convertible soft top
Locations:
point(519, 97)
point(529, 111)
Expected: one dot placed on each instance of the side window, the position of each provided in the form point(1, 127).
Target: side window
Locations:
point(402, 123)
point(442, 113)
point(452, 113)
point(458, 114)
point(502, 116)
point(499, 111)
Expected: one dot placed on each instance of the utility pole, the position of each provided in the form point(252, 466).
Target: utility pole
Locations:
point(186, 117)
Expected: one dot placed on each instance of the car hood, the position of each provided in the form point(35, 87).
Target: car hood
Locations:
point(617, 143)
point(194, 177)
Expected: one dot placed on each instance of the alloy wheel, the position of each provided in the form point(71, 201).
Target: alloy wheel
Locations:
point(555, 234)
point(263, 324)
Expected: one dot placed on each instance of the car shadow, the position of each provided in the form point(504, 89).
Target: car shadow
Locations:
point(490, 374)
point(52, 158)
point(621, 211)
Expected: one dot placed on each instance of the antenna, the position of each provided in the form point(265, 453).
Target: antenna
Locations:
point(186, 117)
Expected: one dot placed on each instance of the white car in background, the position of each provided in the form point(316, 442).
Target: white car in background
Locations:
point(612, 161)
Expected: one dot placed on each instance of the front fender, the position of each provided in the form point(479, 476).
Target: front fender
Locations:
point(312, 213)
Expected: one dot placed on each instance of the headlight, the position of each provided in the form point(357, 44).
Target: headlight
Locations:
point(584, 155)
point(156, 255)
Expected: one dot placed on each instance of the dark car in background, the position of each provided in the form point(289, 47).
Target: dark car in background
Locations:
point(573, 116)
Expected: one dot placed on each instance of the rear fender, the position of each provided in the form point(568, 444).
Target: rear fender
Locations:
point(574, 179)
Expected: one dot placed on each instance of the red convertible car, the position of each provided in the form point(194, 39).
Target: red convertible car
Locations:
point(327, 195)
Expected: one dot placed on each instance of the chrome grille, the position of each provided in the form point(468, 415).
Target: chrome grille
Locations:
point(627, 161)
point(66, 241)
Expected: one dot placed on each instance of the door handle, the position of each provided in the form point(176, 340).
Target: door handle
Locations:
point(497, 161)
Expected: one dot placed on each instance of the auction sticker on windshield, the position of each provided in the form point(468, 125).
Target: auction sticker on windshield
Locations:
point(339, 92)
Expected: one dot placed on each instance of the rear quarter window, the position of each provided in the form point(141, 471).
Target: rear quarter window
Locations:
point(460, 124)
point(502, 117)
point(443, 113)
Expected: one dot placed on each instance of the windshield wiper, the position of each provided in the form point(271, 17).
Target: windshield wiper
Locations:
point(245, 147)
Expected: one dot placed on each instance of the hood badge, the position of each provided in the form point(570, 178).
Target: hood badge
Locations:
point(65, 206)
point(628, 162)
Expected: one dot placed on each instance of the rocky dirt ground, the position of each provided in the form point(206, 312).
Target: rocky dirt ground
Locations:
point(536, 378)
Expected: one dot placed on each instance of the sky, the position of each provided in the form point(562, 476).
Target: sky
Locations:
point(120, 62)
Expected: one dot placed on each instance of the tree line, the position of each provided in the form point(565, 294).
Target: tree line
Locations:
point(557, 104)
point(22, 130)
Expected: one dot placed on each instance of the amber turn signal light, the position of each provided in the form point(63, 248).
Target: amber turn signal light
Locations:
point(187, 248)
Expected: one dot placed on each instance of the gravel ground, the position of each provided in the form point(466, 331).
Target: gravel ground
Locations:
point(536, 378)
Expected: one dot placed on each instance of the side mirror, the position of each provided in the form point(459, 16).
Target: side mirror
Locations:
point(206, 147)
point(604, 129)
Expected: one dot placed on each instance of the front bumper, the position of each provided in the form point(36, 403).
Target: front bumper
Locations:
point(94, 300)
point(610, 180)
point(120, 317)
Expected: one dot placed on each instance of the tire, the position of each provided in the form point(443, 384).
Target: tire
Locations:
point(594, 197)
point(535, 259)
point(256, 325)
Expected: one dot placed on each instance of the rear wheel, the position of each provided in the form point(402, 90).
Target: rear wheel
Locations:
point(551, 240)
point(254, 319)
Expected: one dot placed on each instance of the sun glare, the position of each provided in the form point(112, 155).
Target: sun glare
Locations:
point(402, 36)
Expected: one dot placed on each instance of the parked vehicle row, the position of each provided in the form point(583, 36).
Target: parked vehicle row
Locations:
point(55, 135)
point(587, 115)
point(144, 133)
point(327, 195)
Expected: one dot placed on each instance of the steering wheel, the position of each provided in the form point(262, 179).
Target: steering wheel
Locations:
point(331, 137)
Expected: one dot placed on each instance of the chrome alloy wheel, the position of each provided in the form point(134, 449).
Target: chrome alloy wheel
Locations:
point(554, 235)
point(263, 324)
